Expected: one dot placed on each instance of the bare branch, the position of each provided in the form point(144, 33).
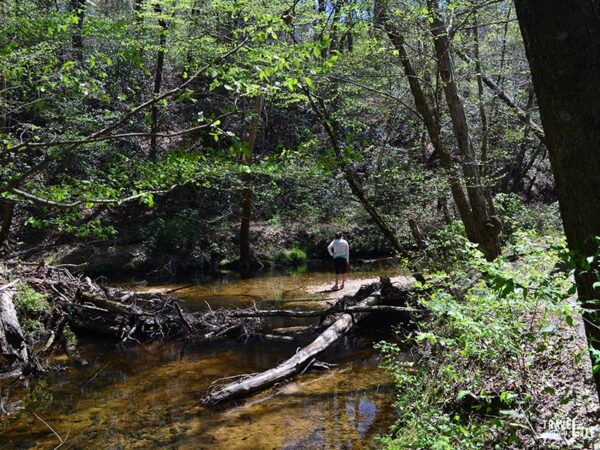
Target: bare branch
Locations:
point(507, 99)
point(45, 202)
point(122, 136)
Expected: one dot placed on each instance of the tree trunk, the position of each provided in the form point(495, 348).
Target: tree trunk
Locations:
point(355, 187)
point(335, 25)
point(442, 205)
point(473, 210)
point(416, 233)
point(480, 208)
point(562, 40)
point(246, 256)
point(78, 7)
point(7, 217)
point(158, 73)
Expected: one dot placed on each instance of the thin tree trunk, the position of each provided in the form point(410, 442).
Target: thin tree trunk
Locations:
point(335, 24)
point(481, 104)
point(500, 80)
point(246, 256)
point(443, 206)
point(158, 73)
point(562, 40)
point(416, 233)
point(523, 116)
point(485, 127)
point(353, 183)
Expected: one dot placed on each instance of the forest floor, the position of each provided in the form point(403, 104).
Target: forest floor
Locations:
point(568, 406)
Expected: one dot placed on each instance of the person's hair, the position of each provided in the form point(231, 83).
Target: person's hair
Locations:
point(338, 235)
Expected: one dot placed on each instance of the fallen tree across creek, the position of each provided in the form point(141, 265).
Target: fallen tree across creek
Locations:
point(324, 312)
point(305, 357)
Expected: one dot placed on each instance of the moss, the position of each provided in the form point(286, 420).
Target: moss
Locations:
point(69, 336)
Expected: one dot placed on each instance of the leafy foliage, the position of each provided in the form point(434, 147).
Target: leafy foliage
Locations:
point(489, 322)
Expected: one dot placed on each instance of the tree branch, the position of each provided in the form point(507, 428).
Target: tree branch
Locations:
point(45, 202)
point(507, 99)
point(121, 136)
point(15, 182)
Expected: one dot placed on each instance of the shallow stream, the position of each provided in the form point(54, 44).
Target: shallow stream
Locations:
point(148, 396)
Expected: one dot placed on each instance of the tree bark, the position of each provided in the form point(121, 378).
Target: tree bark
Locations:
point(476, 191)
point(13, 348)
point(416, 233)
point(323, 312)
point(473, 207)
point(562, 41)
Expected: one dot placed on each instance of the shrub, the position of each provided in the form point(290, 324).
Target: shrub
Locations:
point(515, 215)
point(32, 309)
point(175, 233)
point(470, 386)
point(293, 257)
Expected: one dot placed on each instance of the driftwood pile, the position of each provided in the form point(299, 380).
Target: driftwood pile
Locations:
point(120, 314)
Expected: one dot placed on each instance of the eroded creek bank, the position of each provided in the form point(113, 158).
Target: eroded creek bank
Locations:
point(148, 395)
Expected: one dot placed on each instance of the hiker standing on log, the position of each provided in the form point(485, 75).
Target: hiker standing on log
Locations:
point(340, 251)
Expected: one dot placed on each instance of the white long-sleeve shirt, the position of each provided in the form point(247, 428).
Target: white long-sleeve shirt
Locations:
point(339, 248)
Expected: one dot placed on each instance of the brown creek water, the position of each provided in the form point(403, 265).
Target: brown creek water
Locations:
point(148, 396)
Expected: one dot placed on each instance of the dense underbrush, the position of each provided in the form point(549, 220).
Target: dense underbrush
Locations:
point(501, 361)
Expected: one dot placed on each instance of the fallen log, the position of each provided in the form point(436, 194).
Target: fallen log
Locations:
point(323, 312)
point(298, 363)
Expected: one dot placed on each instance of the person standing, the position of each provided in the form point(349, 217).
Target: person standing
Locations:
point(340, 251)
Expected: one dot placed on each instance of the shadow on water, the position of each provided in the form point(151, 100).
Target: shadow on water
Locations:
point(148, 396)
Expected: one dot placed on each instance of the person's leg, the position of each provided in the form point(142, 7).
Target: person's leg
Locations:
point(337, 274)
point(344, 273)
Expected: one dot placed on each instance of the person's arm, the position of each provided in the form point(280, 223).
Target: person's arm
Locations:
point(348, 251)
point(330, 248)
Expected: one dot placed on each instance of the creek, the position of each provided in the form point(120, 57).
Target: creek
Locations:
point(148, 396)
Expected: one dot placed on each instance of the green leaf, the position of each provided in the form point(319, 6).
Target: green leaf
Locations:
point(569, 320)
point(462, 394)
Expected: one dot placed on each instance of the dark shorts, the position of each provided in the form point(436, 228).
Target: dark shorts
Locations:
point(340, 265)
